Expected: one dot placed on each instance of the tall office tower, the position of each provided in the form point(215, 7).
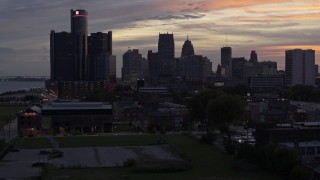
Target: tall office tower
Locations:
point(253, 56)
point(79, 31)
point(134, 66)
point(166, 46)
point(226, 61)
point(153, 66)
point(299, 67)
point(187, 48)
point(100, 48)
point(166, 56)
point(238, 67)
point(61, 56)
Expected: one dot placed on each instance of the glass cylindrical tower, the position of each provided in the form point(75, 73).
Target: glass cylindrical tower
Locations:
point(79, 30)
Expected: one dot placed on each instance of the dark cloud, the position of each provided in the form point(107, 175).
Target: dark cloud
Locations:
point(172, 17)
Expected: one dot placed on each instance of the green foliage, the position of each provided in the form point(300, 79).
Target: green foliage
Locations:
point(300, 173)
point(7, 113)
point(246, 151)
point(284, 160)
point(129, 163)
point(100, 96)
point(241, 90)
point(302, 93)
point(224, 109)
point(208, 138)
point(273, 158)
point(199, 101)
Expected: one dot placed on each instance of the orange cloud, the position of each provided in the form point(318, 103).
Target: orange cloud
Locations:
point(222, 4)
point(287, 47)
point(296, 17)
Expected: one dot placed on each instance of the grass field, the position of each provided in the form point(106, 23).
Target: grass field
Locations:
point(7, 113)
point(110, 140)
point(32, 143)
point(208, 162)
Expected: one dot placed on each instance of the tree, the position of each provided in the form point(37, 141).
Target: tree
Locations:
point(223, 110)
point(199, 101)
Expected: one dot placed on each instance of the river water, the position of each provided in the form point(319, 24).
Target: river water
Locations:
point(6, 86)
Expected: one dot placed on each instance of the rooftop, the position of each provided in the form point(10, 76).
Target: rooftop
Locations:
point(76, 106)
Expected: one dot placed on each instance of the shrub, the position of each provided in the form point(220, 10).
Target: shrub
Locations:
point(208, 138)
point(129, 163)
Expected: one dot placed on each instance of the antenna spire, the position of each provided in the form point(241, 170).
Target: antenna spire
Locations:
point(226, 40)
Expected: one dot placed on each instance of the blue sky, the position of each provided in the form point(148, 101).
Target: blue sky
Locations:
point(269, 27)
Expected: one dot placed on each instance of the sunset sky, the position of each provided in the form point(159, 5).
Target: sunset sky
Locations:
point(267, 26)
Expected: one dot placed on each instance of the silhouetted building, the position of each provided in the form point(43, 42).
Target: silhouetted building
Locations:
point(153, 66)
point(166, 56)
point(253, 56)
point(134, 66)
point(100, 49)
point(80, 64)
point(106, 68)
point(61, 56)
point(300, 67)
point(79, 31)
point(266, 84)
point(238, 67)
point(267, 68)
point(187, 48)
point(194, 68)
point(166, 46)
point(226, 61)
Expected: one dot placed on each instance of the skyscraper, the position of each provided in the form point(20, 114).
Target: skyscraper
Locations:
point(61, 56)
point(81, 64)
point(299, 67)
point(187, 48)
point(226, 61)
point(166, 56)
point(79, 31)
point(100, 48)
point(134, 66)
point(166, 46)
point(253, 56)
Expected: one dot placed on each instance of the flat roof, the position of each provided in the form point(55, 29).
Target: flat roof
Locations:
point(302, 144)
point(76, 106)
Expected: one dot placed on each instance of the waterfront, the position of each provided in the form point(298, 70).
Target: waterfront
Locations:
point(6, 86)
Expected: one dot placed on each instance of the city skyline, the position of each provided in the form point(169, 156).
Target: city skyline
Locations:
point(270, 28)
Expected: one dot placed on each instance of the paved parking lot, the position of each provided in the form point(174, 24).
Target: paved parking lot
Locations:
point(19, 164)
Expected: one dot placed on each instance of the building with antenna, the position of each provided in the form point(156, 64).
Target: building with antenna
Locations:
point(187, 48)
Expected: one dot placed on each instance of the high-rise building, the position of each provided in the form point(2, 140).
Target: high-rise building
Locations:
point(153, 66)
point(299, 67)
point(100, 48)
point(226, 61)
point(81, 64)
point(61, 56)
point(253, 56)
point(187, 48)
point(166, 46)
point(194, 68)
point(134, 66)
point(79, 31)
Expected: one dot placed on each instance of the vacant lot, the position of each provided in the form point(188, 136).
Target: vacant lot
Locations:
point(19, 164)
point(208, 162)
